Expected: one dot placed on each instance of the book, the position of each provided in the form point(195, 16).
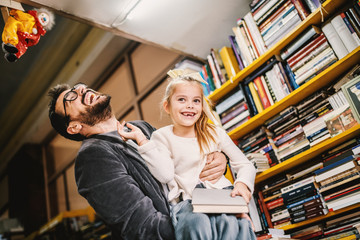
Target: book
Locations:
point(255, 96)
point(239, 58)
point(262, 93)
point(254, 30)
point(340, 120)
point(230, 100)
point(233, 112)
point(217, 201)
point(334, 39)
point(303, 12)
point(219, 65)
point(351, 91)
point(335, 168)
point(243, 45)
point(214, 72)
point(229, 60)
point(344, 33)
point(236, 119)
point(304, 38)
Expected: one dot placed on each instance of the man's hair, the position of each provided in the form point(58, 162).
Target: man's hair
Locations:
point(59, 121)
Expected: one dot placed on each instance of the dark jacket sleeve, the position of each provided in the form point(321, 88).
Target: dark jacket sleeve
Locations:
point(106, 180)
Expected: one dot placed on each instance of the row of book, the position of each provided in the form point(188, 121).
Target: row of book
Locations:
point(308, 55)
point(328, 184)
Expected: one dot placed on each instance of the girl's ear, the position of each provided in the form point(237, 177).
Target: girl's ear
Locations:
point(74, 127)
point(166, 107)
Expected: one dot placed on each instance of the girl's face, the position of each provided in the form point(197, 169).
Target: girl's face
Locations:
point(185, 104)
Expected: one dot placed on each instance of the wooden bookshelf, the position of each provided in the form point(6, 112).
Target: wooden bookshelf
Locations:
point(315, 18)
point(321, 218)
point(334, 72)
point(308, 154)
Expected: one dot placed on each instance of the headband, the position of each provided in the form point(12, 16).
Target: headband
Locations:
point(188, 73)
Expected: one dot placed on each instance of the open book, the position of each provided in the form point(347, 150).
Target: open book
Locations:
point(217, 201)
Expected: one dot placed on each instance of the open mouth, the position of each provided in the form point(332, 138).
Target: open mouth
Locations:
point(90, 97)
point(188, 114)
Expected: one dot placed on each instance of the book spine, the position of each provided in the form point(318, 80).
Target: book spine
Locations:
point(234, 113)
point(237, 53)
point(250, 100)
point(230, 101)
point(229, 60)
point(219, 65)
point(292, 47)
point(262, 93)
point(265, 210)
point(344, 33)
point(214, 72)
point(253, 28)
point(256, 97)
point(303, 13)
point(335, 41)
point(350, 28)
point(241, 42)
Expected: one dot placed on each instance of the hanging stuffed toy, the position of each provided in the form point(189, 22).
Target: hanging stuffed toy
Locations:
point(23, 29)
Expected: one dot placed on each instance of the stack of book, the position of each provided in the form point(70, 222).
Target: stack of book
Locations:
point(259, 160)
point(275, 19)
point(258, 142)
point(308, 55)
point(311, 115)
point(233, 109)
point(303, 200)
point(266, 86)
point(287, 134)
point(342, 227)
point(343, 30)
point(339, 180)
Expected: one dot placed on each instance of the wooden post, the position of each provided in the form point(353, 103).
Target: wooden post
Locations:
point(5, 13)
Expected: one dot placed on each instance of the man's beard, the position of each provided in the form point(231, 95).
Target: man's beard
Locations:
point(97, 113)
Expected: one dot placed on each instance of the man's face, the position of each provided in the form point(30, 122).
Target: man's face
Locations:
point(88, 107)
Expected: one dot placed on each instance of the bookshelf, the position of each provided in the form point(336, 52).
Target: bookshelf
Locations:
point(329, 7)
point(321, 80)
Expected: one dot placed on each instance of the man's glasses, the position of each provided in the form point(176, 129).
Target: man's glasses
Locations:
point(71, 96)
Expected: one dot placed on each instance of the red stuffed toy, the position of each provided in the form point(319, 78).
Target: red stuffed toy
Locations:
point(23, 29)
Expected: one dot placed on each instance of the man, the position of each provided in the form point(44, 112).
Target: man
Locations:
point(110, 173)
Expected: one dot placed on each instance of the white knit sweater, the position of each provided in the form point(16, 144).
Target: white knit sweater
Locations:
point(176, 161)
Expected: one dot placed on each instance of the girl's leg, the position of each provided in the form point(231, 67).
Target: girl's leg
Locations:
point(189, 225)
point(224, 226)
point(245, 229)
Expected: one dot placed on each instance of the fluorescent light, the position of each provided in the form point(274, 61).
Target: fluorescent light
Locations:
point(127, 6)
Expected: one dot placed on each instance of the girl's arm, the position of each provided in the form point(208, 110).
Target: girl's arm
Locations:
point(244, 183)
point(154, 151)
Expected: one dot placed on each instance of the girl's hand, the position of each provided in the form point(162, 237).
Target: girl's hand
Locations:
point(240, 189)
point(134, 134)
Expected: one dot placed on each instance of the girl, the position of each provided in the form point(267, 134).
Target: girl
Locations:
point(175, 154)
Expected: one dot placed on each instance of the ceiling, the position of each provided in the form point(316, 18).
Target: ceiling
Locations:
point(86, 40)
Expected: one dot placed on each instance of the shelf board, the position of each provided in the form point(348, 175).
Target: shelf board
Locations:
point(320, 218)
point(314, 18)
point(308, 154)
point(305, 90)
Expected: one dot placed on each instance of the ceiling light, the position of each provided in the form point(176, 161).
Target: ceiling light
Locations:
point(127, 6)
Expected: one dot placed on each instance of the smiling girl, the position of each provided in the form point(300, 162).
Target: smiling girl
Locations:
point(176, 154)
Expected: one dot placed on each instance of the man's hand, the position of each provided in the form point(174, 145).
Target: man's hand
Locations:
point(240, 189)
point(214, 168)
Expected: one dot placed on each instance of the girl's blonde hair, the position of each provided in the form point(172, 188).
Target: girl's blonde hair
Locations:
point(204, 131)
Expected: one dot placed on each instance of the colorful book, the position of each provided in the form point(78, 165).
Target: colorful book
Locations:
point(255, 96)
point(229, 60)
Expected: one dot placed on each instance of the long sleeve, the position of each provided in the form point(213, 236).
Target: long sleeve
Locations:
point(158, 158)
point(242, 166)
point(123, 193)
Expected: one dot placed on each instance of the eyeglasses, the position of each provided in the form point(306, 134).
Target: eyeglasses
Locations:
point(71, 96)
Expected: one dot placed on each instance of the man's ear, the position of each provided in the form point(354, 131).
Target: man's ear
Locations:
point(74, 127)
point(166, 107)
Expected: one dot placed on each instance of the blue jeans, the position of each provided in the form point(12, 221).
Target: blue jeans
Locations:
point(199, 226)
